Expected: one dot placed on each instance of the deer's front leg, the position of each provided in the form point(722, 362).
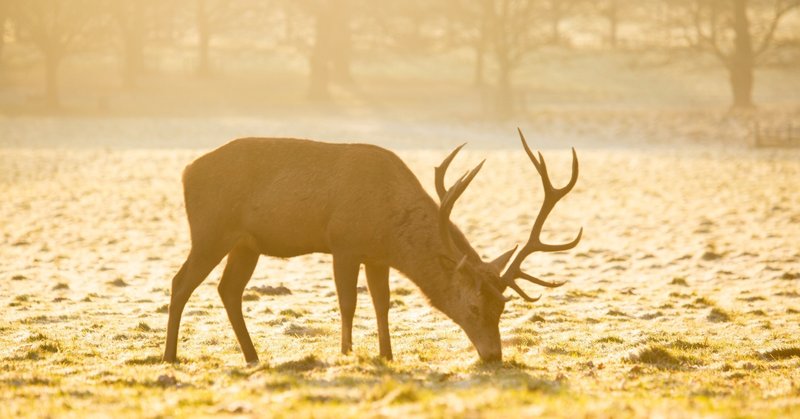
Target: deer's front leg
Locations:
point(345, 274)
point(378, 282)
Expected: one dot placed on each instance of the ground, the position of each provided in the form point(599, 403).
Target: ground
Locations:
point(683, 297)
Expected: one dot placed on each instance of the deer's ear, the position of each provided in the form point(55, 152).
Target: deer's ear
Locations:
point(502, 260)
point(451, 265)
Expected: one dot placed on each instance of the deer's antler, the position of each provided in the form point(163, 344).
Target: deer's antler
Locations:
point(551, 197)
point(448, 197)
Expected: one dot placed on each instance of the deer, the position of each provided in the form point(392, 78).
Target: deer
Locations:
point(360, 203)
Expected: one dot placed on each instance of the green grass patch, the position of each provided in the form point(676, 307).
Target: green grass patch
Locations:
point(687, 346)
point(536, 318)
point(307, 363)
point(561, 350)
point(681, 281)
point(661, 357)
point(119, 282)
point(251, 296)
point(299, 330)
point(545, 386)
point(610, 339)
point(148, 360)
point(293, 313)
point(143, 327)
point(781, 353)
point(391, 391)
point(50, 347)
point(36, 337)
point(718, 315)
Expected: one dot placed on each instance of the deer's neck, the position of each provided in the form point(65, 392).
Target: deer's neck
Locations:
point(417, 251)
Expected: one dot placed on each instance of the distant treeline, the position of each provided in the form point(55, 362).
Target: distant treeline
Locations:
point(501, 35)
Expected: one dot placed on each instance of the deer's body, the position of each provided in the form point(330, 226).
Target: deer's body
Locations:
point(287, 197)
point(292, 197)
point(361, 204)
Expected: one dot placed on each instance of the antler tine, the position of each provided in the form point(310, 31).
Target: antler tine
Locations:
point(527, 149)
point(537, 281)
point(449, 199)
point(574, 178)
point(542, 169)
point(551, 196)
point(539, 164)
point(522, 293)
point(440, 170)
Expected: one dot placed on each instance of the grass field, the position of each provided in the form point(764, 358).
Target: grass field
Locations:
point(683, 298)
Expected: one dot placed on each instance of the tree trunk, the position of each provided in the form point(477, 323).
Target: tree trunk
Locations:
point(742, 86)
point(742, 60)
point(505, 97)
point(480, 52)
point(51, 63)
point(613, 22)
point(204, 39)
point(319, 74)
point(555, 33)
point(203, 65)
point(134, 45)
point(481, 47)
point(555, 21)
point(340, 41)
point(2, 33)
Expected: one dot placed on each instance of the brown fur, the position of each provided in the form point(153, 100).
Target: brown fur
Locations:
point(360, 203)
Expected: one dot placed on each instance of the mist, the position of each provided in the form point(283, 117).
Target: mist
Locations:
point(393, 243)
point(196, 73)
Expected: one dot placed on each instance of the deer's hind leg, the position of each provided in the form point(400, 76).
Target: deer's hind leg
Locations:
point(242, 261)
point(198, 265)
point(378, 282)
point(345, 274)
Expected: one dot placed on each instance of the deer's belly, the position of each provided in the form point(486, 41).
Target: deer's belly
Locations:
point(285, 240)
point(286, 233)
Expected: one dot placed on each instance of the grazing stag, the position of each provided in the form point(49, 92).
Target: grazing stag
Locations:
point(360, 203)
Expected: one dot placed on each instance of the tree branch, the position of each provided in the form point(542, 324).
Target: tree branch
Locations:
point(708, 40)
point(781, 9)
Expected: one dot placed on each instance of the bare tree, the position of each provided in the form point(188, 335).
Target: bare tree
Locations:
point(557, 11)
point(130, 18)
point(413, 26)
point(468, 24)
point(612, 15)
point(56, 28)
point(737, 32)
point(216, 17)
point(209, 15)
point(322, 31)
point(502, 33)
point(610, 10)
point(331, 49)
point(515, 31)
point(4, 9)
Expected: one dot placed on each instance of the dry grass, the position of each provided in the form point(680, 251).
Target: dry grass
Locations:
point(682, 300)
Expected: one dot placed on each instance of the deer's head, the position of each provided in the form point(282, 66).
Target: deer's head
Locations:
point(477, 298)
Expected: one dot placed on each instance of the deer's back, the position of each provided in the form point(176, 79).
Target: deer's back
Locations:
point(291, 197)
